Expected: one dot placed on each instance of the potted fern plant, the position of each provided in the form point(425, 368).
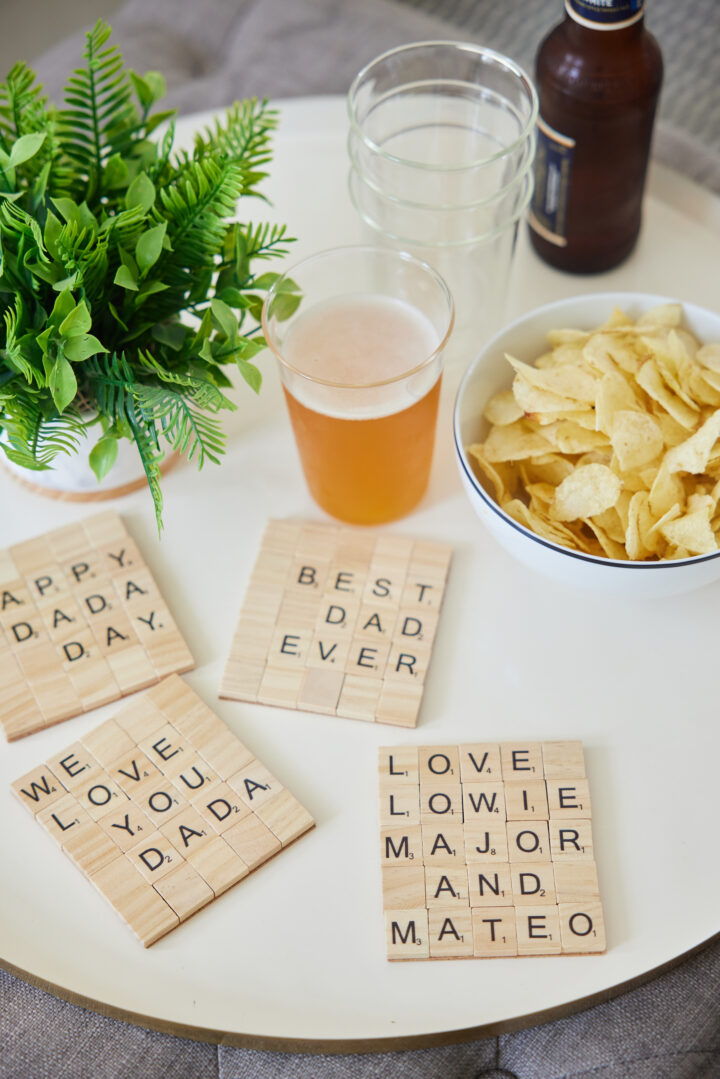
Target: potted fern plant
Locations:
point(126, 289)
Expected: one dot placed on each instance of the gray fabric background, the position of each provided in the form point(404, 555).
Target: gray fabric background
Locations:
point(217, 50)
point(211, 53)
point(669, 1029)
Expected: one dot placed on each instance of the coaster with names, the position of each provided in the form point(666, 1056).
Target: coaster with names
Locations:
point(487, 851)
point(82, 623)
point(338, 621)
point(162, 808)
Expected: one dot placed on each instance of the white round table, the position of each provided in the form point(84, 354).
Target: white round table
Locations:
point(294, 956)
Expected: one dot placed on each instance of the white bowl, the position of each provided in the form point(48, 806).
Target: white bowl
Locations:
point(489, 372)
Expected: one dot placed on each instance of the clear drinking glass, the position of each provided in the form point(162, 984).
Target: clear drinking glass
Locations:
point(442, 122)
point(441, 145)
point(444, 225)
point(476, 268)
point(359, 334)
point(442, 188)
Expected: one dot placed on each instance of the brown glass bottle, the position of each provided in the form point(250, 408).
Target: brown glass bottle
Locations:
point(598, 87)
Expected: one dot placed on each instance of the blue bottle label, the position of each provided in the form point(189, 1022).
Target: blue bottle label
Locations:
point(553, 164)
point(605, 14)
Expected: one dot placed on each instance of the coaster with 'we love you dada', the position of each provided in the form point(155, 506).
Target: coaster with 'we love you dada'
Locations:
point(162, 808)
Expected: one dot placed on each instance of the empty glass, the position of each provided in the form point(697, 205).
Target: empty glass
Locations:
point(441, 145)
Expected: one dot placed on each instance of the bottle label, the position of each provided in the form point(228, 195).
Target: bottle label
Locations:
point(553, 163)
point(605, 14)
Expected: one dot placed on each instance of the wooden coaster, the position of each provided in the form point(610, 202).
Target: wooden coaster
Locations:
point(338, 621)
point(162, 808)
point(487, 851)
point(82, 623)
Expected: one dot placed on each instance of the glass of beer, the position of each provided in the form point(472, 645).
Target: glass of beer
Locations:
point(359, 334)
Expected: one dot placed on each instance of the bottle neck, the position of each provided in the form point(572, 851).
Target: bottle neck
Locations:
point(605, 14)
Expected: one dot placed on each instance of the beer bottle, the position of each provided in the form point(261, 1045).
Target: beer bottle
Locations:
point(598, 77)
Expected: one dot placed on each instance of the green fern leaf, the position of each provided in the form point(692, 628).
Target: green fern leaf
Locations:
point(147, 446)
point(21, 105)
point(242, 137)
point(183, 419)
point(99, 116)
point(35, 435)
point(21, 351)
point(195, 208)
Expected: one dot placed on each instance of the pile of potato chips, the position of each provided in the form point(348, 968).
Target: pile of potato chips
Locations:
point(608, 444)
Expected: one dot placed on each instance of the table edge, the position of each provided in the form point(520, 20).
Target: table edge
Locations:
point(345, 1046)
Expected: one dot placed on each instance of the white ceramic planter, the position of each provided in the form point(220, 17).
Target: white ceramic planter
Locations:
point(71, 476)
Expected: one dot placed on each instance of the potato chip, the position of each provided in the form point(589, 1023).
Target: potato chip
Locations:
point(651, 541)
point(673, 363)
point(617, 319)
point(568, 355)
point(550, 530)
point(632, 481)
point(582, 419)
point(701, 502)
point(693, 454)
point(666, 314)
point(610, 547)
point(702, 389)
point(588, 490)
point(712, 378)
point(611, 523)
point(709, 356)
point(634, 538)
point(614, 394)
point(540, 493)
point(494, 474)
point(622, 506)
point(636, 439)
point(610, 442)
point(515, 442)
point(533, 401)
point(565, 380)
point(689, 343)
point(669, 515)
point(666, 491)
point(549, 469)
point(693, 532)
point(569, 437)
point(503, 409)
point(676, 552)
point(565, 337)
point(609, 352)
point(651, 381)
point(673, 433)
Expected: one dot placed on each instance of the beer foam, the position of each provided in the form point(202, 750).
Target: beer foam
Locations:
point(360, 340)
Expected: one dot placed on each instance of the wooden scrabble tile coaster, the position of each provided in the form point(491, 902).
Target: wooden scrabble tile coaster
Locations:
point(486, 851)
point(82, 623)
point(162, 808)
point(338, 621)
